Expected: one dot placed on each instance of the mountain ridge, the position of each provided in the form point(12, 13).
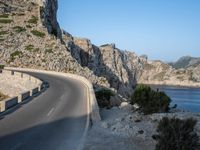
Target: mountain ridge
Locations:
point(185, 62)
point(30, 36)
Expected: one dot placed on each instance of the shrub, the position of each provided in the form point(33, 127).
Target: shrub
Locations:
point(38, 33)
point(150, 101)
point(19, 29)
point(1, 66)
point(49, 50)
point(33, 20)
point(3, 32)
point(28, 26)
point(21, 14)
point(29, 47)
point(5, 21)
point(4, 16)
point(36, 49)
point(176, 134)
point(14, 54)
point(181, 78)
point(103, 97)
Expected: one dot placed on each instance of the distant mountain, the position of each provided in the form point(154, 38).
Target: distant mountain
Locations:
point(185, 62)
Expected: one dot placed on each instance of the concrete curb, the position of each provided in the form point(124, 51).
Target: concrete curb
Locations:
point(10, 102)
point(93, 106)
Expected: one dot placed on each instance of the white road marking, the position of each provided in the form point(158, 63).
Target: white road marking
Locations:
point(49, 113)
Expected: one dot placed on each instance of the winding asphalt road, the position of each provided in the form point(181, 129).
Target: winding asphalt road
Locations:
point(54, 120)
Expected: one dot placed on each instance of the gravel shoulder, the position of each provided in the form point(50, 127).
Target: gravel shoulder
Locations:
point(123, 129)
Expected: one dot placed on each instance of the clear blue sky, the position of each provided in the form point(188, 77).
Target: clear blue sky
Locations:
point(162, 29)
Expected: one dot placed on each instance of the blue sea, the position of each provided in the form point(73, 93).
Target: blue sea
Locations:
point(186, 98)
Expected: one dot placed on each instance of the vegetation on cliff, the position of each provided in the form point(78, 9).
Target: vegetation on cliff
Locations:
point(150, 101)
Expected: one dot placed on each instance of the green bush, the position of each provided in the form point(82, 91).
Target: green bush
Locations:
point(33, 20)
point(29, 47)
point(5, 21)
point(36, 50)
point(21, 14)
point(3, 32)
point(176, 134)
point(2, 66)
point(15, 54)
point(38, 33)
point(28, 26)
point(48, 50)
point(19, 29)
point(4, 16)
point(150, 101)
point(103, 97)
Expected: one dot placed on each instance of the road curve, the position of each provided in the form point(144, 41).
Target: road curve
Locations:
point(54, 120)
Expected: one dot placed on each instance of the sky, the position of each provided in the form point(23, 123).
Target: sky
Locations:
point(161, 29)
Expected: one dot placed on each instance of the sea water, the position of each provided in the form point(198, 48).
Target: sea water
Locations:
point(186, 98)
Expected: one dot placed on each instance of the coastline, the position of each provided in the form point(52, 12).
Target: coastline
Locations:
point(171, 85)
point(126, 129)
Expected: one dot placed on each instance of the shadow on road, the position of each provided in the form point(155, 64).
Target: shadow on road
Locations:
point(62, 134)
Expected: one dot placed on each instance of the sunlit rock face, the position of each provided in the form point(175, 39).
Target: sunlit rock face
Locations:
point(31, 37)
point(120, 68)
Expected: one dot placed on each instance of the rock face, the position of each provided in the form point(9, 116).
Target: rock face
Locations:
point(120, 68)
point(27, 40)
point(157, 72)
point(30, 36)
point(185, 62)
point(48, 14)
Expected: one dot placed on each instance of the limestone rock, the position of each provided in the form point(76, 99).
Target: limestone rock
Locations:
point(126, 106)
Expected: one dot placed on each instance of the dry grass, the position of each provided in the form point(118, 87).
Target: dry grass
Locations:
point(2, 96)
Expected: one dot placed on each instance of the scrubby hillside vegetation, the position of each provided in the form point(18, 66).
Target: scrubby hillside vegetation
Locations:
point(30, 36)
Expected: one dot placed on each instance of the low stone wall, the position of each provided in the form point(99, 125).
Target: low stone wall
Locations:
point(18, 98)
point(93, 109)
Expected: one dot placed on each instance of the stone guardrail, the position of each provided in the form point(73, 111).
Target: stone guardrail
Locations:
point(10, 102)
point(93, 109)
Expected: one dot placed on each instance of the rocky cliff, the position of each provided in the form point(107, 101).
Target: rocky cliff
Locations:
point(157, 72)
point(120, 68)
point(30, 36)
point(185, 62)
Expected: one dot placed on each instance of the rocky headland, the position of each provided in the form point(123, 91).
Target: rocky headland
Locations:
point(31, 37)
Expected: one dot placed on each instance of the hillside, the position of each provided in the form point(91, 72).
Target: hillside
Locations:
point(30, 36)
point(185, 62)
point(157, 72)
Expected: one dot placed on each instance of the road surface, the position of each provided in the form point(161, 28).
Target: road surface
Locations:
point(54, 120)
